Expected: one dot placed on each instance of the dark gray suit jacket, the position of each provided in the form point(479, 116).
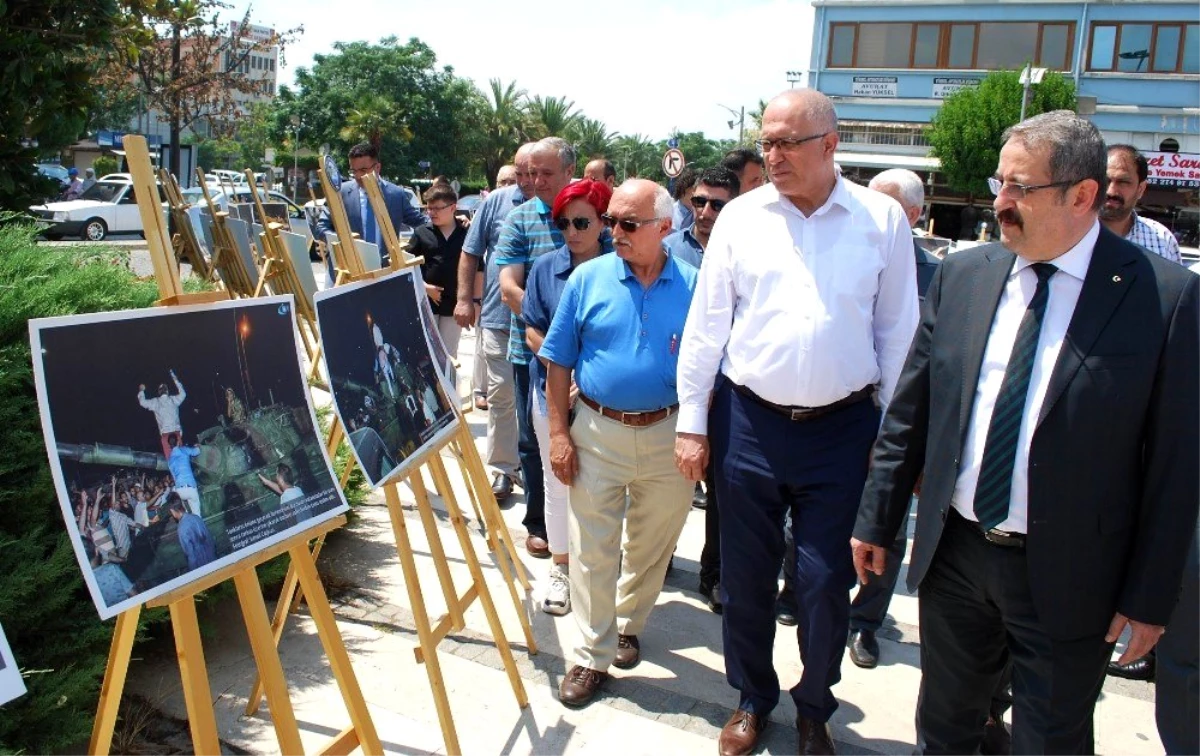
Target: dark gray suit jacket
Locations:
point(1113, 482)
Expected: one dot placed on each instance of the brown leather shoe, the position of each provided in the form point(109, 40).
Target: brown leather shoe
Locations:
point(629, 652)
point(815, 737)
point(740, 734)
point(537, 547)
point(579, 687)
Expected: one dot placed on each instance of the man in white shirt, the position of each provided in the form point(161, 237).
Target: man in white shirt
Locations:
point(1049, 400)
point(1127, 174)
point(806, 302)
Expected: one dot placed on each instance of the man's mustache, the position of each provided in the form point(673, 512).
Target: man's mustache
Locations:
point(1011, 217)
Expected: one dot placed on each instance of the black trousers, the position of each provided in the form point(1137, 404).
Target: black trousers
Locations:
point(710, 555)
point(1177, 694)
point(977, 615)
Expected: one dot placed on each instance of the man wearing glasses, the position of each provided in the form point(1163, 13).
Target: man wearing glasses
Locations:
point(804, 309)
point(364, 159)
point(617, 327)
point(1050, 397)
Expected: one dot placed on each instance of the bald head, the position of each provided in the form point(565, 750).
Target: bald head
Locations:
point(523, 175)
point(649, 206)
point(799, 139)
point(506, 176)
point(601, 170)
point(813, 106)
point(643, 191)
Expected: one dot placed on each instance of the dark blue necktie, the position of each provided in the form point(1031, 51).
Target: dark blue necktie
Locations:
point(994, 487)
point(369, 225)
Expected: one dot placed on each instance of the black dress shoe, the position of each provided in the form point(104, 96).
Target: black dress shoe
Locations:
point(712, 597)
point(815, 737)
point(997, 741)
point(699, 499)
point(1138, 669)
point(864, 649)
point(785, 608)
point(502, 486)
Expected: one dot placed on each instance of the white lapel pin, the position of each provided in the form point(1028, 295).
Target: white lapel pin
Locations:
point(1116, 279)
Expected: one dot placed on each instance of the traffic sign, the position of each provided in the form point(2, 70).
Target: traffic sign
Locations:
point(673, 142)
point(673, 163)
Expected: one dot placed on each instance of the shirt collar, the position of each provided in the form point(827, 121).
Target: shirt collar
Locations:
point(1074, 262)
point(541, 207)
point(667, 273)
point(840, 196)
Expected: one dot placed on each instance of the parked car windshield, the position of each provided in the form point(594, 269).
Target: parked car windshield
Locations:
point(104, 191)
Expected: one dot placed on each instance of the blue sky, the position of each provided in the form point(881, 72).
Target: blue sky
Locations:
point(642, 66)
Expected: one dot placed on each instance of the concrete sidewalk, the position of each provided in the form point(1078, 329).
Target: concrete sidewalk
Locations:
point(675, 701)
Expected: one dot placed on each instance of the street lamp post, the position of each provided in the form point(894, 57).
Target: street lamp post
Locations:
point(794, 78)
point(1029, 77)
point(741, 120)
point(295, 158)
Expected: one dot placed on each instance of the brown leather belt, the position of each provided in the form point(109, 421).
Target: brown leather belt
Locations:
point(632, 419)
point(1004, 538)
point(800, 414)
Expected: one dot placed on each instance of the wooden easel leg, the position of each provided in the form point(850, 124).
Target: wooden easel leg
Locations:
point(335, 650)
point(316, 552)
point(196, 692)
point(266, 657)
point(436, 549)
point(433, 667)
point(263, 276)
point(114, 681)
point(485, 595)
point(491, 509)
point(462, 463)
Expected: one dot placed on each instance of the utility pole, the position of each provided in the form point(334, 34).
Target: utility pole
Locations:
point(741, 120)
point(295, 119)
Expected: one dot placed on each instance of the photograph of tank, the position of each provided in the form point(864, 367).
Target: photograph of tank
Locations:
point(387, 390)
point(11, 684)
point(180, 439)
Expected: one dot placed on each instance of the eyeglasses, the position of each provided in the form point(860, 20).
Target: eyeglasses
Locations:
point(1019, 191)
point(364, 170)
point(580, 224)
point(717, 204)
point(437, 208)
point(787, 144)
point(628, 225)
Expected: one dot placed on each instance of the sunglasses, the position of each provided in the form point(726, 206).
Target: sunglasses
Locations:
point(717, 204)
point(627, 225)
point(580, 224)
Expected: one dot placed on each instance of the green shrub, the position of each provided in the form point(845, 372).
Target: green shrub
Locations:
point(104, 165)
point(46, 610)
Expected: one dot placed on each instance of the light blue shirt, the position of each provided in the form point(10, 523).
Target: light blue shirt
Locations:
point(682, 217)
point(481, 241)
point(180, 465)
point(683, 245)
point(622, 339)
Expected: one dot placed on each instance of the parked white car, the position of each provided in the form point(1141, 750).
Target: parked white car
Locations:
point(107, 207)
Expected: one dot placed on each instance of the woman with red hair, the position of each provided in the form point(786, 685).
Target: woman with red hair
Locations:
point(576, 212)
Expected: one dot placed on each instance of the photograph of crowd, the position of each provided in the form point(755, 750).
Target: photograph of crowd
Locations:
point(444, 360)
point(387, 390)
point(181, 440)
point(11, 684)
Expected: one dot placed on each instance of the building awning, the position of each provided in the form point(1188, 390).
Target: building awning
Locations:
point(887, 160)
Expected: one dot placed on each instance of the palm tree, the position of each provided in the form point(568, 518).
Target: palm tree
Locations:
point(637, 155)
point(591, 138)
point(551, 116)
point(371, 118)
point(503, 127)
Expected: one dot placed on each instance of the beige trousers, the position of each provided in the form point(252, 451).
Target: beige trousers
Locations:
point(614, 459)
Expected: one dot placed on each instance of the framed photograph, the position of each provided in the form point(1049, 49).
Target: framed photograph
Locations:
point(297, 251)
point(387, 388)
point(180, 440)
point(11, 684)
point(443, 359)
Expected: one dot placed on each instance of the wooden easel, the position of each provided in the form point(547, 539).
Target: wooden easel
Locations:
point(225, 255)
point(487, 510)
point(196, 691)
point(184, 242)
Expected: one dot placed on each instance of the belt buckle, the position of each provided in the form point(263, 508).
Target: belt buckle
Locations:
point(799, 413)
point(625, 418)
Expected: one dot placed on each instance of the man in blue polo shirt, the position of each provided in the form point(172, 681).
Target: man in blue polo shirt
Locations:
point(618, 327)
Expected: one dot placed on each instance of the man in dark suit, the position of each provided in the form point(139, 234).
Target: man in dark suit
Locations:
point(1050, 396)
point(364, 159)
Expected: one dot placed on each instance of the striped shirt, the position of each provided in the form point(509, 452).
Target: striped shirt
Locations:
point(120, 525)
point(1155, 237)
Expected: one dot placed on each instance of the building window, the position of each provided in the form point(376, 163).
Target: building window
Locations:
point(1145, 48)
point(987, 45)
point(1168, 145)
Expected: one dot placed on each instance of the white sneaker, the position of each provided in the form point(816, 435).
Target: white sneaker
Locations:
point(558, 595)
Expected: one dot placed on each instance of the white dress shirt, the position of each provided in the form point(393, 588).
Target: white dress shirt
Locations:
point(801, 310)
point(1065, 285)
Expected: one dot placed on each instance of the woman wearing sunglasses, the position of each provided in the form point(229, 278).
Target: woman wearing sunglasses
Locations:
point(576, 212)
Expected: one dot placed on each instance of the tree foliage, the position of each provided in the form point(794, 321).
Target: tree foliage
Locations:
point(965, 132)
point(592, 139)
point(45, 85)
point(503, 128)
point(551, 116)
point(178, 59)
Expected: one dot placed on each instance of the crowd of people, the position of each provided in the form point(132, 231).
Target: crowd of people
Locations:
point(771, 343)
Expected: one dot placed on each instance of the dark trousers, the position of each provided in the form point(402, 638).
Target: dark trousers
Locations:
point(767, 465)
point(710, 555)
point(531, 458)
point(977, 616)
point(1177, 695)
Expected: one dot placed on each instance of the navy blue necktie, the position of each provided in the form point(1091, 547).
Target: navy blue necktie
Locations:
point(369, 225)
point(994, 487)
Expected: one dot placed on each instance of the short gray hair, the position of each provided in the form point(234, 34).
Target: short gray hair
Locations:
point(1075, 146)
point(664, 207)
point(908, 185)
point(566, 153)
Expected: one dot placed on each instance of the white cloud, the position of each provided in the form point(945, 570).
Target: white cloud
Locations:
point(638, 66)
